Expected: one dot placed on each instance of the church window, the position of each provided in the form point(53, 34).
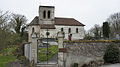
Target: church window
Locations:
point(76, 30)
point(44, 14)
point(62, 29)
point(69, 30)
point(49, 14)
point(33, 30)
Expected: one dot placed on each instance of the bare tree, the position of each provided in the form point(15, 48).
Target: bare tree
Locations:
point(7, 36)
point(18, 23)
point(5, 33)
point(114, 21)
point(4, 20)
point(95, 31)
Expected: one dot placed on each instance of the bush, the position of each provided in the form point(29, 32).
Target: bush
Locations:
point(112, 54)
point(75, 65)
point(22, 58)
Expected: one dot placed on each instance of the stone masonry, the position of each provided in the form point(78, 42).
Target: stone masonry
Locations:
point(84, 53)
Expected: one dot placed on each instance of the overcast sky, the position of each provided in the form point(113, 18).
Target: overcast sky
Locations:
point(89, 12)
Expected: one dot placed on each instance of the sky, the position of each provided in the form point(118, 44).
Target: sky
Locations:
point(88, 12)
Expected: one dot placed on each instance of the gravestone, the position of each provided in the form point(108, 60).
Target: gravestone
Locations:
point(117, 36)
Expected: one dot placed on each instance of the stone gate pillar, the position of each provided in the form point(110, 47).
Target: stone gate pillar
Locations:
point(34, 47)
point(61, 50)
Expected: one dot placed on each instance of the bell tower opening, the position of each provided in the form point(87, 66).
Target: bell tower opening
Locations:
point(46, 15)
point(49, 14)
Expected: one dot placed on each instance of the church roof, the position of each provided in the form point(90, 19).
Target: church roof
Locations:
point(35, 21)
point(59, 21)
point(67, 22)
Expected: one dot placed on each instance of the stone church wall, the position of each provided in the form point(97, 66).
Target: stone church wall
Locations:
point(52, 32)
point(36, 29)
point(84, 53)
point(75, 36)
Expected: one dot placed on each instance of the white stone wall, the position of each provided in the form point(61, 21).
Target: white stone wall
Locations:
point(75, 36)
point(36, 29)
point(28, 51)
point(51, 31)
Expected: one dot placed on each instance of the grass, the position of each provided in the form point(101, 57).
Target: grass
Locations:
point(6, 55)
point(5, 59)
point(9, 50)
point(42, 56)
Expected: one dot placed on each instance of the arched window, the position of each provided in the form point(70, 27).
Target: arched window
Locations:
point(76, 30)
point(44, 14)
point(69, 30)
point(49, 14)
point(33, 30)
point(62, 29)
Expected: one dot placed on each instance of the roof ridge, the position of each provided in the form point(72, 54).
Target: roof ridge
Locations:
point(64, 17)
point(60, 17)
point(36, 16)
point(47, 6)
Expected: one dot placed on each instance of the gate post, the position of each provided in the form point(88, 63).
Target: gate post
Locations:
point(34, 47)
point(61, 49)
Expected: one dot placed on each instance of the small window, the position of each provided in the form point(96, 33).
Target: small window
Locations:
point(48, 14)
point(33, 30)
point(69, 30)
point(62, 29)
point(44, 14)
point(76, 30)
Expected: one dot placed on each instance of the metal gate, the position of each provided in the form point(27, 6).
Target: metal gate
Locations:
point(47, 51)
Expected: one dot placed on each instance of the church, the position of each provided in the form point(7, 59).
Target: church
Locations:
point(47, 22)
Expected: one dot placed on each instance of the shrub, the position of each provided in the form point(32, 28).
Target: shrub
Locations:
point(22, 58)
point(112, 54)
point(75, 65)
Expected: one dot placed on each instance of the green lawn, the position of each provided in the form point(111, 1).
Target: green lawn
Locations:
point(5, 59)
point(53, 50)
point(6, 55)
point(9, 50)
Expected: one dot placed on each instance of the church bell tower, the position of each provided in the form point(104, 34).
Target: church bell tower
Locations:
point(46, 15)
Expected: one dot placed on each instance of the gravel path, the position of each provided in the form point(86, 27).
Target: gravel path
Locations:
point(112, 65)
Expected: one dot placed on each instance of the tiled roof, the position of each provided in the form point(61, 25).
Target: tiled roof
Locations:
point(67, 22)
point(45, 26)
point(35, 21)
point(59, 21)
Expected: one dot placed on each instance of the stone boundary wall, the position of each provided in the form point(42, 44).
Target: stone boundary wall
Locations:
point(85, 52)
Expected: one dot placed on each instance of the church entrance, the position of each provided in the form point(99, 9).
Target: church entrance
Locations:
point(47, 51)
